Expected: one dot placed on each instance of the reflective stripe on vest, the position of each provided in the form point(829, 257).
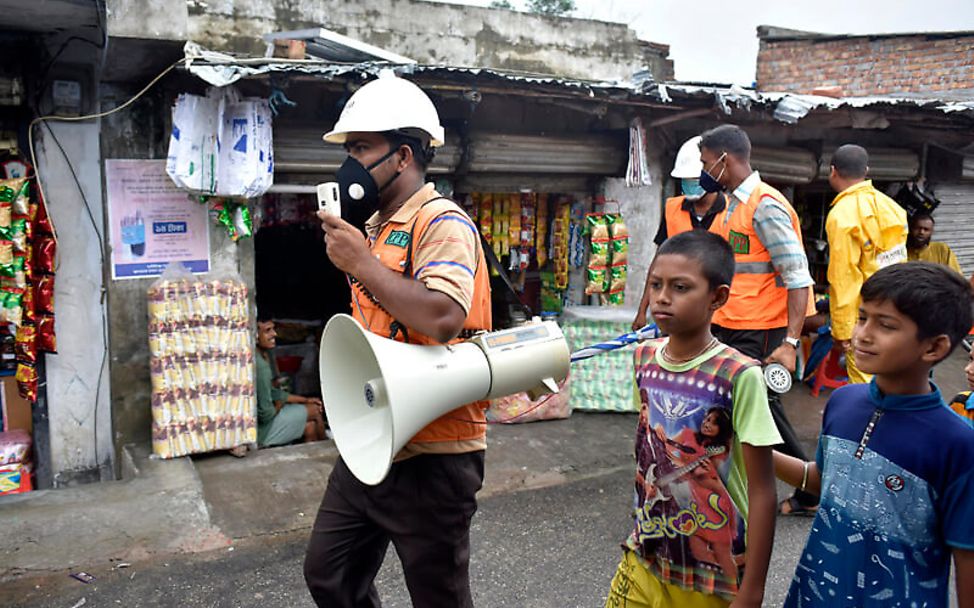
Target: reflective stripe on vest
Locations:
point(758, 298)
point(468, 421)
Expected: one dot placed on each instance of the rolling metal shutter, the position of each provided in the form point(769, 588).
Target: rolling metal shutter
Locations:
point(784, 165)
point(496, 161)
point(955, 221)
point(885, 164)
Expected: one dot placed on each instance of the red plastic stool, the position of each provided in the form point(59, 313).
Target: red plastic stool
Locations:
point(828, 374)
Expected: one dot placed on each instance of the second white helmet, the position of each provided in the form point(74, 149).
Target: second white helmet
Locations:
point(388, 103)
point(688, 165)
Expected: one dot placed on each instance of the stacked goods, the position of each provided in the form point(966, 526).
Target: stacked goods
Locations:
point(541, 230)
point(560, 237)
point(603, 382)
point(27, 262)
point(513, 211)
point(202, 367)
point(619, 258)
point(527, 233)
point(598, 255)
point(608, 257)
point(15, 463)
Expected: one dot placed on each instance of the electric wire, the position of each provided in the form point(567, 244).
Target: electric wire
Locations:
point(43, 199)
point(101, 252)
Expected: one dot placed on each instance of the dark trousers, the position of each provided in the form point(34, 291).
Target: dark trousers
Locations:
point(423, 507)
point(759, 343)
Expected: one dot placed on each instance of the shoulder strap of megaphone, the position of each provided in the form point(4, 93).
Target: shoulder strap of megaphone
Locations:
point(488, 253)
point(396, 326)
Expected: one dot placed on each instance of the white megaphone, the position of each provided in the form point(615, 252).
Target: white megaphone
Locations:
point(379, 393)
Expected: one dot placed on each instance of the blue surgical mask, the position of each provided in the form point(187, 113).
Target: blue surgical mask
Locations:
point(710, 183)
point(691, 188)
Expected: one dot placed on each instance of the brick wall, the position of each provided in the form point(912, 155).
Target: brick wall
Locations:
point(867, 65)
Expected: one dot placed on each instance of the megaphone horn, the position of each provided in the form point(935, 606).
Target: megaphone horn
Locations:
point(379, 393)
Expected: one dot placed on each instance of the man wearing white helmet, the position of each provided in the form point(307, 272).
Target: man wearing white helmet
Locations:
point(418, 276)
point(694, 209)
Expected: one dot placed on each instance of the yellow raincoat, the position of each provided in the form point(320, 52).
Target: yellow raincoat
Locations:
point(866, 231)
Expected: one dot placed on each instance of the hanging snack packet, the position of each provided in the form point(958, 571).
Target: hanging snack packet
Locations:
point(18, 234)
point(598, 253)
point(43, 298)
point(617, 278)
point(617, 227)
point(46, 340)
point(18, 278)
point(12, 311)
point(45, 253)
point(620, 250)
point(6, 217)
point(25, 345)
point(17, 193)
point(596, 280)
point(614, 299)
point(597, 227)
point(27, 305)
point(27, 381)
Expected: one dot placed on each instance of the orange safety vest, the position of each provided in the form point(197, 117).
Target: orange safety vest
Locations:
point(758, 297)
point(677, 220)
point(467, 422)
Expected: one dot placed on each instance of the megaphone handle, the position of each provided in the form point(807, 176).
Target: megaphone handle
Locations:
point(524, 413)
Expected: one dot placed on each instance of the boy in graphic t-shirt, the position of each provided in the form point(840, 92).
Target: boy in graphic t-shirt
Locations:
point(894, 467)
point(704, 476)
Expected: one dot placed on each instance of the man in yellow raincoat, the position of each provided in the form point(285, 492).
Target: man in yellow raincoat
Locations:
point(867, 231)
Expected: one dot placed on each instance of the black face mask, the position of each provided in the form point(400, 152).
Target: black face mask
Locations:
point(357, 188)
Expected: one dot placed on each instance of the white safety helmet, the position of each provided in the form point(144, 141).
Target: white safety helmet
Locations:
point(388, 103)
point(688, 165)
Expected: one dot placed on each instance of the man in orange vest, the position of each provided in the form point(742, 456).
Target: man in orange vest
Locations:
point(693, 209)
point(769, 296)
point(418, 276)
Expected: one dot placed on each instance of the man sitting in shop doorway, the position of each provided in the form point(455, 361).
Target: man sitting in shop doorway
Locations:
point(919, 248)
point(282, 418)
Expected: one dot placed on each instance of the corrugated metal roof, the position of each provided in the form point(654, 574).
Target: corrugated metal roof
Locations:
point(221, 70)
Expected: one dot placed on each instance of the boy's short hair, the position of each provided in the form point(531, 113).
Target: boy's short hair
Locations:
point(727, 138)
point(933, 296)
point(714, 254)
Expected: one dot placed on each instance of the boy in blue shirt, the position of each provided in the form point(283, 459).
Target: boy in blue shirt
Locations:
point(894, 466)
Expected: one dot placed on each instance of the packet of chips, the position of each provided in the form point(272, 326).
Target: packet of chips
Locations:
point(12, 311)
point(43, 294)
point(18, 234)
point(27, 381)
point(617, 227)
point(18, 277)
point(17, 193)
point(46, 340)
point(614, 299)
point(620, 250)
point(596, 280)
point(598, 253)
point(598, 229)
point(617, 278)
point(25, 344)
point(45, 253)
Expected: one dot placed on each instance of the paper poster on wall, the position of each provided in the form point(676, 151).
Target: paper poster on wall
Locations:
point(153, 222)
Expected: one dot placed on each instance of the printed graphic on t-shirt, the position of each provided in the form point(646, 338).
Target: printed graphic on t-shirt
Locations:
point(873, 541)
point(687, 526)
